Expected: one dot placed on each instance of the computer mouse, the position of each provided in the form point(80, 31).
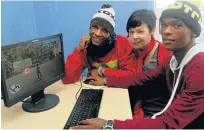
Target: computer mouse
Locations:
point(88, 80)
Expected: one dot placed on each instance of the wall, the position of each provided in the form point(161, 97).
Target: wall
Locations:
point(17, 22)
point(25, 20)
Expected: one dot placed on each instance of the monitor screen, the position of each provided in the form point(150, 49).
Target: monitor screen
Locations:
point(29, 67)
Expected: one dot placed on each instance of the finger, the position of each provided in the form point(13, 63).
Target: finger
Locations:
point(90, 77)
point(85, 122)
point(88, 121)
point(81, 127)
point(86, 38)
point(86, 43)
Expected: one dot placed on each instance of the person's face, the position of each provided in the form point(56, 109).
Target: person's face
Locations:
point(98, 34)
point(140, 37)
point(175, 34)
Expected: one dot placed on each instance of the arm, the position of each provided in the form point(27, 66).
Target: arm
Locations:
point(74, 66)
point(186, 108)
point(145, 78)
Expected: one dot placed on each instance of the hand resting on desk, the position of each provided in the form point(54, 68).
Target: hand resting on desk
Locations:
point(96, 80)
point(87, 81)
point(94, 123)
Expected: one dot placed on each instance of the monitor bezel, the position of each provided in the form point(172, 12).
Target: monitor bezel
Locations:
point(10, 102)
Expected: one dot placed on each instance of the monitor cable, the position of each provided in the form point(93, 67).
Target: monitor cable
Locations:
point(76, 96)
point(81, 86)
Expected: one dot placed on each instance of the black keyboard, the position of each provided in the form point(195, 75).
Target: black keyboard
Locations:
point(87, 106)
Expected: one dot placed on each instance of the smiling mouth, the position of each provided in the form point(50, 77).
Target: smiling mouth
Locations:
point(168, 40)
point(96, 39)
point(136, 42)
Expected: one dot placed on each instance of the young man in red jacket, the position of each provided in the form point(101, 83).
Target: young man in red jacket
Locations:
point(102, 52)
point(182, 72)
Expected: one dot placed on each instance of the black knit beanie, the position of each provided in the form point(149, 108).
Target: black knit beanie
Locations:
point(187, 13)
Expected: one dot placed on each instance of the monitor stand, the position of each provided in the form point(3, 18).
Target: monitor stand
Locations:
point(40, 102)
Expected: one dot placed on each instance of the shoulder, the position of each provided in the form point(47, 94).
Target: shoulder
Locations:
point(122, 45)
point(195, 65)
point(200, 56)
point(122, 41)
point(194, 70)
point(120, 37)
point(198, 59)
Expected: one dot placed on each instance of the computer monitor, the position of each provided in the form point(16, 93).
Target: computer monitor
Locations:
point(28, 68)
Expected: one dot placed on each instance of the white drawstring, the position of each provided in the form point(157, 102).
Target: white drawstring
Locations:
point(172, 96)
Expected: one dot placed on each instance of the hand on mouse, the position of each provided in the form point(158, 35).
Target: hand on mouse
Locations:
point(98, 81)
point(88, 80)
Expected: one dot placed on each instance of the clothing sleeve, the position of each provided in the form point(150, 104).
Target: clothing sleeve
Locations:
point(146, 78)
point(186, 107)
point(75, 64)
point(126, 61)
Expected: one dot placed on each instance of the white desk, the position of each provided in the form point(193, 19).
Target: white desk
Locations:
point(115, 105)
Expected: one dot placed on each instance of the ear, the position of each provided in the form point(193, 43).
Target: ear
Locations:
point(193, 35)
point(153, 30)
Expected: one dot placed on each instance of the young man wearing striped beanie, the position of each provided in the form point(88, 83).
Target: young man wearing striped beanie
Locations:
point(102, 51)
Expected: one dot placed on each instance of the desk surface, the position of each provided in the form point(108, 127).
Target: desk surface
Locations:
point(115, 105)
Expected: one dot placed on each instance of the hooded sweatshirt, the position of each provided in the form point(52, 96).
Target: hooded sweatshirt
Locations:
point(185, 84)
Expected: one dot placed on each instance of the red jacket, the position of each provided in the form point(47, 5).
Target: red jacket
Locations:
point(187, 108)
point(162, 53)
point(120, 60)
